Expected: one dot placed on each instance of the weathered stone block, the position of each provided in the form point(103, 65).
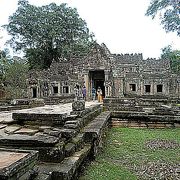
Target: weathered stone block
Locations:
point(26, 131)
point(38, 140)
point(78, 141)
point(52, 154)
point(78, 105)
point(68, 133)
point(69, 166)
point(40, 118)
point(72, 126)
point(56, 133)
point(69, 149)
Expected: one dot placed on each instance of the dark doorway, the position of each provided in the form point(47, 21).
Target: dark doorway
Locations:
point(159, 88)
point(66, 89)
point(147, 88)
point(55, 89)
point(97, 78)
point(34, 92)
point(132, 87)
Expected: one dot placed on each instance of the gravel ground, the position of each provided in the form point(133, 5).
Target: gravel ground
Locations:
point(155, 170)
point(162, 144)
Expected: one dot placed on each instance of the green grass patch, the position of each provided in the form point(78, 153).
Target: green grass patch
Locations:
point(126, 155)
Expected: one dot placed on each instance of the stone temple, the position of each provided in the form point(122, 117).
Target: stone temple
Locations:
point(45, 137)
point(118, 75)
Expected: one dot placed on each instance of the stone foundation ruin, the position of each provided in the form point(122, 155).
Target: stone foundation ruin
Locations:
point(54, 141)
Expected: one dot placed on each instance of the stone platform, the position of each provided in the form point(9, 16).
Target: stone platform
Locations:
point(60, 109)
point(15, 163)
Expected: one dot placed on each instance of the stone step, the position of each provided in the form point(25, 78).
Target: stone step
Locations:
point(65, 170)
point(40, 118)
point(94, 129)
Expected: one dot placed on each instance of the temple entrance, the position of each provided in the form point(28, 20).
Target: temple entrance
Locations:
point(97, 78)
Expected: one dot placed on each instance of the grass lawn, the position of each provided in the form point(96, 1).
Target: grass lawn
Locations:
point(130, 154)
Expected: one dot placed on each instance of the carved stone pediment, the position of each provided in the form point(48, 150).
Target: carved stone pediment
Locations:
point(97, 58)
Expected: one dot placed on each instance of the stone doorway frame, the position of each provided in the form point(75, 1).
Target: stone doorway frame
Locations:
point(89, 81)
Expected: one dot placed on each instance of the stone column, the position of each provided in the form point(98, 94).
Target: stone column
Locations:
point(86, 83)
point(59, 86)
point(106, 73)
point(121, 88)
point(142, 87)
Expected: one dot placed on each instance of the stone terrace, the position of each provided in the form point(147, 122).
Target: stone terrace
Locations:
point(6, 116)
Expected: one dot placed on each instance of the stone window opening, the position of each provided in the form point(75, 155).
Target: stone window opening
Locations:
point(132, 87)
point(147, 88)
point(66, 89)
point(159, 88)
point(55, 89)
point(34, 92)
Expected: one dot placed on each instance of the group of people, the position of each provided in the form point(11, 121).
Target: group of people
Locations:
point(99, 94)
point(94, 93)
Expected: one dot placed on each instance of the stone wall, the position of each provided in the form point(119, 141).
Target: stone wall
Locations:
point(143, 113)
point(120, 71)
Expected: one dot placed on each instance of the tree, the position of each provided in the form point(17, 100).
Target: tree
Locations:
point(173, 56)
point(15, 78)
point(169, 12)
point(48, 32)
point(13, 75)
point(5, 61)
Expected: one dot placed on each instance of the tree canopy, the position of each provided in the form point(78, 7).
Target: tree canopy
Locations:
point(169, 12)
point(13, 75)
point(173, 56)
point(47, 33)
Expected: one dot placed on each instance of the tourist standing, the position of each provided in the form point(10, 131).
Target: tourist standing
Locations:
point(99, 94)
point(84, 92)
point(76, 92)
point(93, 94)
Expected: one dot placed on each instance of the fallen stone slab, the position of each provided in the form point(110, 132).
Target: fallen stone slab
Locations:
point(12, 129)
point(71, 126)
point(56, 133)
point(68, 133)
point(40, 118)
point(42, 128)
point(26, 131)
point(18, 140)
point(71, 117)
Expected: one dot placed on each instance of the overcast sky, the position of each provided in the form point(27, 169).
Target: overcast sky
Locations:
point(120, 24)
